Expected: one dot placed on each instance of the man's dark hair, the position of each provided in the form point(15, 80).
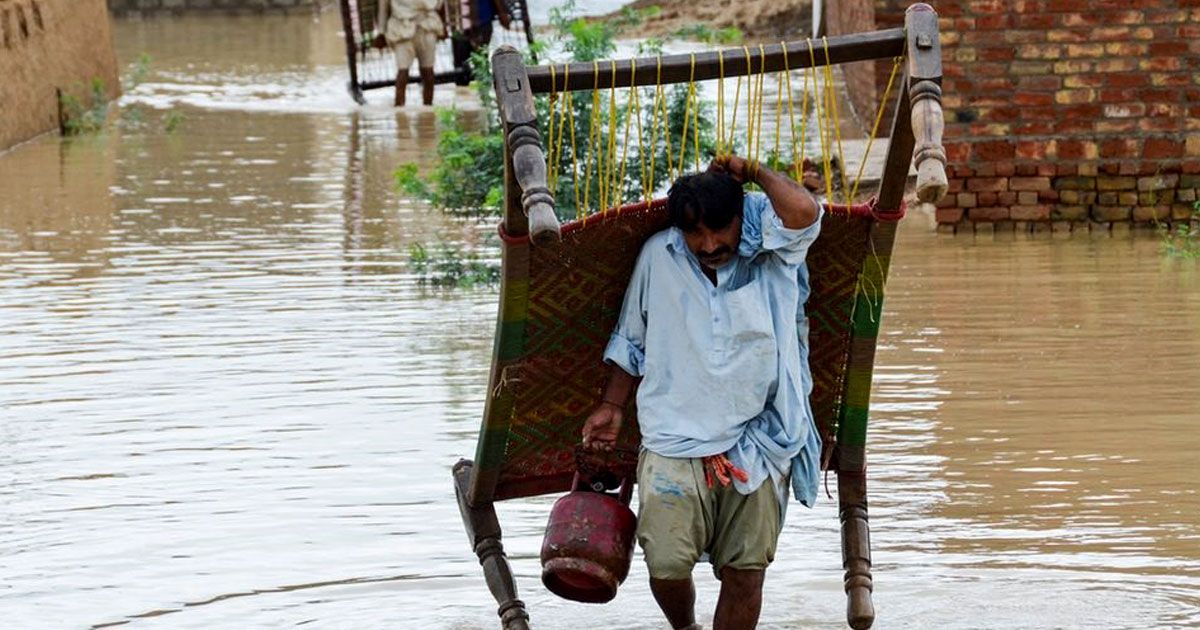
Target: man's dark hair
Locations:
point(709, 198)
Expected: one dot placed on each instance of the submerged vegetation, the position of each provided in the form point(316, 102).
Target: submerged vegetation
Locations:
point(445, 265)
point(1182, 240)
point(84, 115)
point(90, 114)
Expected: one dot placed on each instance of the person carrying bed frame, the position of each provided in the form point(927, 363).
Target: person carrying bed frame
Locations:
point(412, 29)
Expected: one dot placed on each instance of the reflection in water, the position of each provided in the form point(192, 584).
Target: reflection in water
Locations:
point(224, 402)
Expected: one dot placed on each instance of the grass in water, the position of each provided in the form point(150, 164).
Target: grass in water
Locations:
point(444, 265)
point(89, 114)
point(84, 115)
point(1182, 240)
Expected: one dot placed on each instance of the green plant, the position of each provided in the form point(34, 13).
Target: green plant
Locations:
point(468, 175)
point(709, 35)
point(86, 115)
point(449, 266)
point(172, 120)
point(1183, 239)
point(137, 73)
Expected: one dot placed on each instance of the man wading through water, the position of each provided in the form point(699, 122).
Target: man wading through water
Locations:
point(412, 28)
point(713, 337)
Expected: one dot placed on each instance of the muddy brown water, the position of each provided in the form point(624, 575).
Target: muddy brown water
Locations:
point(226, 401)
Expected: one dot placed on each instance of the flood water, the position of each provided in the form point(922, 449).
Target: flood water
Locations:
point(226, 401)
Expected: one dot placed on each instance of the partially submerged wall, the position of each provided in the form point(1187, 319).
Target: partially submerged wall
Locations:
point(1069, 111)
point(135, 8)
point(48, 47)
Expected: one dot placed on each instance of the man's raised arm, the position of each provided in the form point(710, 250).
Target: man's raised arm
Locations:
point(796, 207)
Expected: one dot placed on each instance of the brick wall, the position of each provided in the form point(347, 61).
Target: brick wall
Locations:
point(48, 47)
point(1073, 111)
point(133, 8)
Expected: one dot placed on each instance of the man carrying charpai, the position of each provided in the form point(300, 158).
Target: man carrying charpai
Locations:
point(712, 337)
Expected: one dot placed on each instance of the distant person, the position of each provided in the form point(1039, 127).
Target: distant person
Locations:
point(486, 12)
point(412, 29)
point(478, 18)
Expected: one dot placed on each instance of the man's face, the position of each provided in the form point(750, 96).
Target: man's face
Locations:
point(714, 248)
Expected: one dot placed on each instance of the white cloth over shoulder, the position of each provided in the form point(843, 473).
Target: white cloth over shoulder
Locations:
point(725, 367)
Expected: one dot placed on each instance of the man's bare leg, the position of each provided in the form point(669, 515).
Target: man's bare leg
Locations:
point(401, 86)
point(427, 86)
point(741, 599)
point(677, 599)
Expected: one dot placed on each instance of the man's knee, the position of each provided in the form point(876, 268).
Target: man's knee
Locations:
point(669, 564)
point(749, 580)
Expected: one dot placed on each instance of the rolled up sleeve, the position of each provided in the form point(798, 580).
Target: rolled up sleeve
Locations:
point(627, 345)
point(763, 230)
point(790, 245)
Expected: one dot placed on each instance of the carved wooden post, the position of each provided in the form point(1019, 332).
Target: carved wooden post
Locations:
point(856, 548)
point(528, 203)
point(483, 530)
point(925, 97)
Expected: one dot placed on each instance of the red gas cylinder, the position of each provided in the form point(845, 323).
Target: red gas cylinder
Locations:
point(589, 543)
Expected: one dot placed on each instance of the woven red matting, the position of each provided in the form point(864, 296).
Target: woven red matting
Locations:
point(562, 309)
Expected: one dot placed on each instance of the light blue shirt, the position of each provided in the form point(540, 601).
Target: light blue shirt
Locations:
point(725, 367)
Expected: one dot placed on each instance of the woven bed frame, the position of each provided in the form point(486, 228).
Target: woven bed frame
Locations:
point(562, 288)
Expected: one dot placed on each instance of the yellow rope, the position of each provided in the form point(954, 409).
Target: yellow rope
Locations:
point(625, 141)
point(804, 120)
point(683, 136)
point(552, 176)
point(779, 110)
point(759, 98)
point(737, 96)
point(821, 127)
point(602, 151)
point(837, 123)
point(664, 120)
point(593, 137)
point(637, 112)
point(875, 128)
point(787, 73)
point(569, 105)
point(654, 123)
point(566, 100)
point(693, 96)
point(611, 152)
point(720, 102)
point(749, 102)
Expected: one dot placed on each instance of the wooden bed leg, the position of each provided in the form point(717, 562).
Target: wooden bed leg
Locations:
point(483, 531)
point(856, 548)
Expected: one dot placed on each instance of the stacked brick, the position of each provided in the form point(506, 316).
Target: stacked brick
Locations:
point(1080, 111)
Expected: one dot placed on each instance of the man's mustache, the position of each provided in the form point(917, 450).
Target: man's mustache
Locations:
point(716, 253)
